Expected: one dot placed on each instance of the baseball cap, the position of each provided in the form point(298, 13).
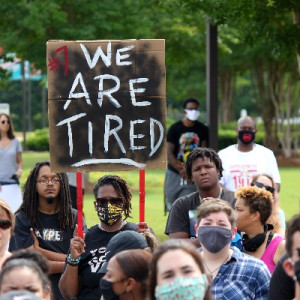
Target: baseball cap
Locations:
point(19, 295)
point(124, 240)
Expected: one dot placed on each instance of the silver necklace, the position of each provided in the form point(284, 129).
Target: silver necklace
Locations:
point(122, 224)
point(213, 271)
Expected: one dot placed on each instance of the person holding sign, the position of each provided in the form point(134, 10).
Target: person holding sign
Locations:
point(182, 137)
point(46, 221)
point(81, 276)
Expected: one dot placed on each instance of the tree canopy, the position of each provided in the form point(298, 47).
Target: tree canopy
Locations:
point(258, 40)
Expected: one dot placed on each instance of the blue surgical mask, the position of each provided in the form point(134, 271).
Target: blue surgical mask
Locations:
point(183, 288)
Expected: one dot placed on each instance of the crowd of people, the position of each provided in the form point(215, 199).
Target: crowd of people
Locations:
point(227, 233)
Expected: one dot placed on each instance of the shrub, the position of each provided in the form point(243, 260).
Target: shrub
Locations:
point(38, 140)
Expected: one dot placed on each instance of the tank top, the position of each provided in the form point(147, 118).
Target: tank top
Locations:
point(269, 253)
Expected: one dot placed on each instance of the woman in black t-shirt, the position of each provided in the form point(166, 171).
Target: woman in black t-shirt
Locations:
point(81, 275)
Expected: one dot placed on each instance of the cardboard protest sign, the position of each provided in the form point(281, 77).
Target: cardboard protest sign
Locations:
point(107, 105)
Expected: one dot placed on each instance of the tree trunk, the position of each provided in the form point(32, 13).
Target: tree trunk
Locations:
point(227, 85)
point(265, 106)
point(282, 91)
point(296, 21)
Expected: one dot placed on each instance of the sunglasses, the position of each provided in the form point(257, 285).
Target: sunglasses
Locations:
point(7, 122)
point(261, 185)
point(5, 224)
point(103, 201)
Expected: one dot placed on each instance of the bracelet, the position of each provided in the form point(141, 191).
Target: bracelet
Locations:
point(72, 261)
point(73, 264)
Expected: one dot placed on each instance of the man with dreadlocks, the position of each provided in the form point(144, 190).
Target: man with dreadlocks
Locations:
point(45, 220)
point(81, 276)
point(204, 169)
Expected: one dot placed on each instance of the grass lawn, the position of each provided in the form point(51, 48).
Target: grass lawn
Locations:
point(154, 212)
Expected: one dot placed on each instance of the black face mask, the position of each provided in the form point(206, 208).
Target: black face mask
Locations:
point(246, 136)
point(107, 290)
point(297, 270)
point(251, 245)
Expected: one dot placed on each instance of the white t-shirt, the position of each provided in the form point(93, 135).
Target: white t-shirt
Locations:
point(240, 167)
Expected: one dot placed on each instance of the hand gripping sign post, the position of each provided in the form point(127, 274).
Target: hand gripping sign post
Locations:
point(107, 107)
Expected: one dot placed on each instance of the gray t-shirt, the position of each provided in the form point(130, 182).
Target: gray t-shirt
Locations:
point(182, 217)
point(8, 161)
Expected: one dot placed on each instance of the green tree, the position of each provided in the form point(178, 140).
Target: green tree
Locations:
point(26, 26)
point(268, 38)
point(258, 40)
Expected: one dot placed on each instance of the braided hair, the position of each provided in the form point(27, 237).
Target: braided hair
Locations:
point(31, 199)
point(202, 152)
point(120, 186)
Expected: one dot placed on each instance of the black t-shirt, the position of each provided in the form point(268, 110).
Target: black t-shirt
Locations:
point(185, 139)
point(282, 287)
point(182, 217)
point(92, 259)
point(51, 239)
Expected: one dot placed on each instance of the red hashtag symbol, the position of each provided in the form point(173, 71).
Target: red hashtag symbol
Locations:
point(53, 64)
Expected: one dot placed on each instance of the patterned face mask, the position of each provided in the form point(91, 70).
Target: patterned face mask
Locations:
point(183, 288)
point(109, 214)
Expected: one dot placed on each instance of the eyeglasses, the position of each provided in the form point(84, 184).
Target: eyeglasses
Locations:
point(4, 121)
point(45, 181)
point(5, 224)
point(102, 201)
point(261, 185)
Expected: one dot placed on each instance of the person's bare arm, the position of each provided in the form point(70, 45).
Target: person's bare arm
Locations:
point(172, 160)
point(20, 164)
point(56, 267)
point(50, 255)
point(69, 282)
point(184, 236)
point(171, 157)
point(279, 252)
point(203, 143)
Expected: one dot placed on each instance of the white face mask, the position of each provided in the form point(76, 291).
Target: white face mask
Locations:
point(193, 114)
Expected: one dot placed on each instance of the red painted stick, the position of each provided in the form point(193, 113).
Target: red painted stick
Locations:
point(79, 203)
point(142, 195)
